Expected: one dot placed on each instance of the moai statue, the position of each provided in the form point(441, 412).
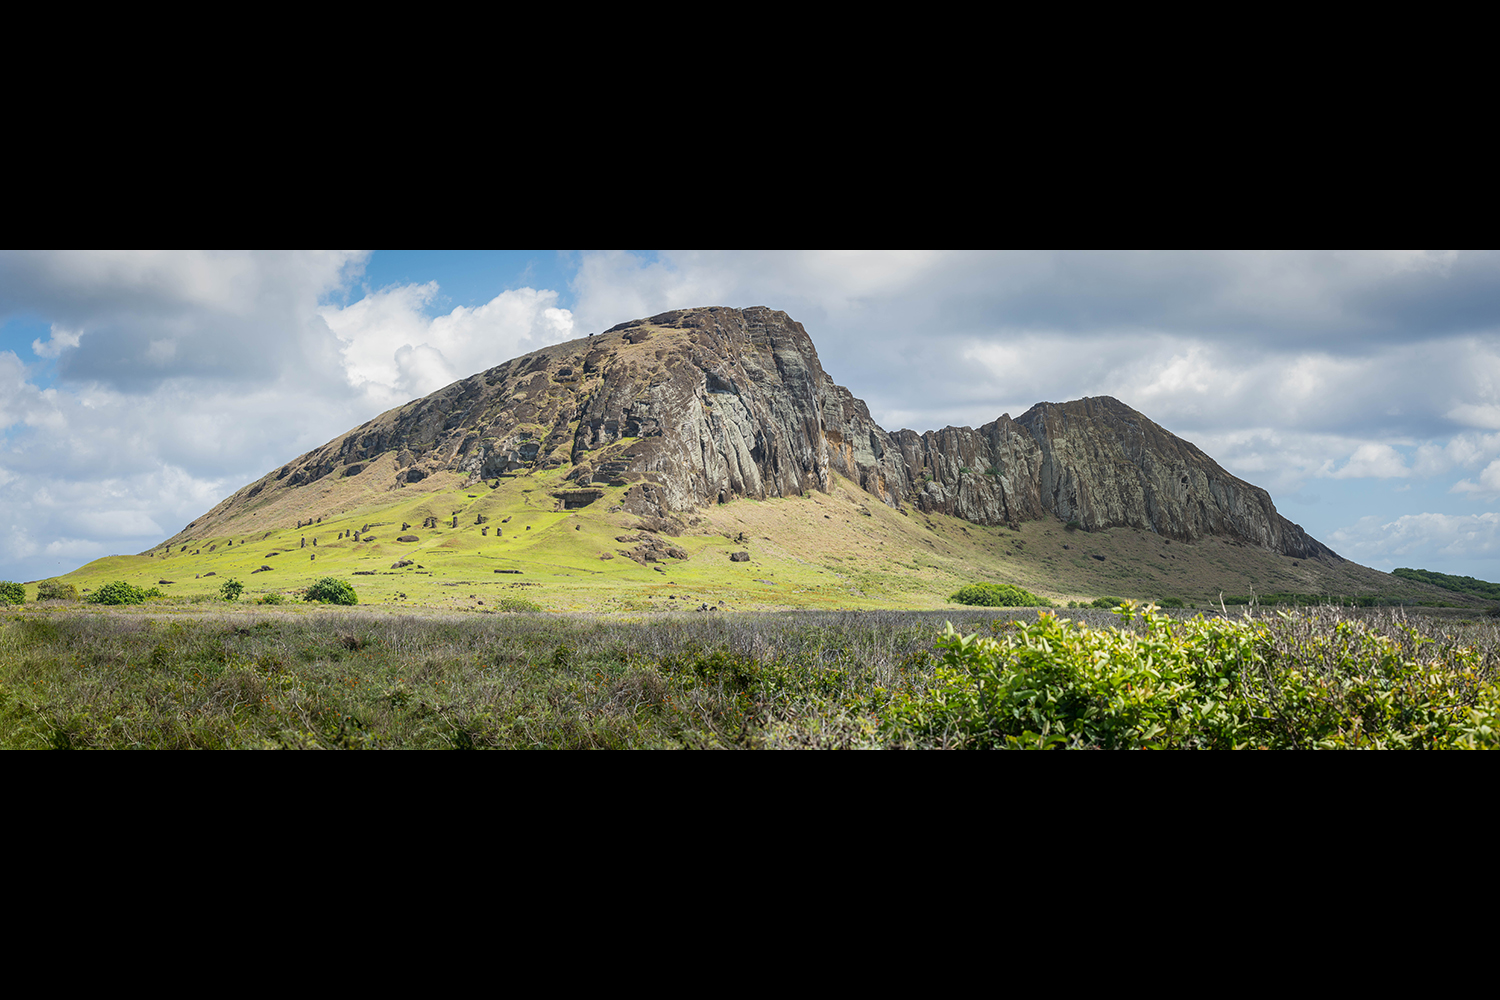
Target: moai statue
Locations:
point(304, 542)
point(455, 520)
point(356, 536)
point(484, 531)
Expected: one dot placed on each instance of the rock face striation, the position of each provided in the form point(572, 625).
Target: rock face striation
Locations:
point(701, 406)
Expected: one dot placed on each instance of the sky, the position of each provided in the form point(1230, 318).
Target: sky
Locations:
point(1362, 389)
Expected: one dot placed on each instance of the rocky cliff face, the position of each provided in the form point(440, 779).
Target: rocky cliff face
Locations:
point(701, 406)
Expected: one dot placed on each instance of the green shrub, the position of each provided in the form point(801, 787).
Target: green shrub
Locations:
point(120, 592)
point(56, 590)
point(331, 590)
point(1296, 682)
point(231, 590)
point(1107, 603)
point(12, 592)
point(271, 599)
point(1051, 683)
point(997, 595)
point(518, 604)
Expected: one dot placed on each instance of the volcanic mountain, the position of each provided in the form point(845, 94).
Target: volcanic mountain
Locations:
point(705, 455)
point(704, 406)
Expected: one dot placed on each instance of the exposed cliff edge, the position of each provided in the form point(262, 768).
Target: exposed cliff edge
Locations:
point(700, 406)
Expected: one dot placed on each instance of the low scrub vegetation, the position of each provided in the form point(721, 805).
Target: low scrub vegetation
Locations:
point(1318, 600)
point(56, 590)
point(997, 595)
point(120, 592)
point(12, 592)
point(1138, 678)
point(331, 590)
point(1290, 682)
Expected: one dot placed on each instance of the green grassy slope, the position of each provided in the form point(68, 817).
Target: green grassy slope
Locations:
point(837, 550)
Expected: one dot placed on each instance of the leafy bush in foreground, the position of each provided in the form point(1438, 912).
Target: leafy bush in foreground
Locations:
point(120, 592)
point(332, 590)
point(231, 590)
point(997, 595)
point(1205, 683)
point(12, 592)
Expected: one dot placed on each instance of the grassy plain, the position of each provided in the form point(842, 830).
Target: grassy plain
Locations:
point(356, 679)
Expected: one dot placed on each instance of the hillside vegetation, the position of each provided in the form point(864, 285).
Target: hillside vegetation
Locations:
point(1457, 584)
point(821, 551)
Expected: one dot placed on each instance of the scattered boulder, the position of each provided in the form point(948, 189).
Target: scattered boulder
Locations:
point(651, 549)
point(739, 557)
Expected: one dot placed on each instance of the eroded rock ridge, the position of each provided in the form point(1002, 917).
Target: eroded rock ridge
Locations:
point(700, 406)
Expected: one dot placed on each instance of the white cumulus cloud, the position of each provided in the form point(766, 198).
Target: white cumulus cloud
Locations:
point(393, 351)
